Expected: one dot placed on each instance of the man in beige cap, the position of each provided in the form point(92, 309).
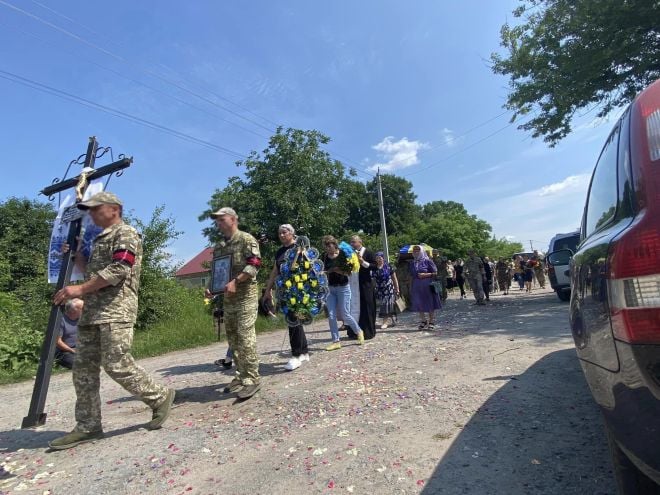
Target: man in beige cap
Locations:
point(105, 328)
point(241, 300)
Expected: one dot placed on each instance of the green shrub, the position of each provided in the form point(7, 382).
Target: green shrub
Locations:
point(20, 344)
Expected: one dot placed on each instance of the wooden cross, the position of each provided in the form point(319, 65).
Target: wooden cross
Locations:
point(36, 415)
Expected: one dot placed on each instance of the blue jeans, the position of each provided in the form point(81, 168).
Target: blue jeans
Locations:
point(339, 300)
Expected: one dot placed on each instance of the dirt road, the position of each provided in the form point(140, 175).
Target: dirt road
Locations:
point(493, 401)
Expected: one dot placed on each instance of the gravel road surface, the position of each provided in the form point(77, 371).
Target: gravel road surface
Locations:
point(491, 402)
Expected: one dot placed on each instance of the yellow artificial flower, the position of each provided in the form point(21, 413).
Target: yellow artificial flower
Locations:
point(288, 284)
point(300, 286)
point(292, 301)
point(307, 265)
point(303, 277)
point(313, 283)
point(305, 299)
point(296, 278)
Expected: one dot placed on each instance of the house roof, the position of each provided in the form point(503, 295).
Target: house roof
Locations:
point(196, 265)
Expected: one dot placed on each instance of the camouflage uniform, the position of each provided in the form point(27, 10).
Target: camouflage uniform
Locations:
point(538, 270)
point(503, 273)
point(240, 309)
point(105, 328)
point(475, 273)
point(441, 276)
point(403, 276)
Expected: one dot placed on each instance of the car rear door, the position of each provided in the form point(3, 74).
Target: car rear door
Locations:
point(606, 214)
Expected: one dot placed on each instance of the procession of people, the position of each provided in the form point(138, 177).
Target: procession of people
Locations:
point(100, 313)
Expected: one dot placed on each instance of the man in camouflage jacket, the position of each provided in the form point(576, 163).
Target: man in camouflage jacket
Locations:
point(105, 328)
point(241, 300)
point(475, 275)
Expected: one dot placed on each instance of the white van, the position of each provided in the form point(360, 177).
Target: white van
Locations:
point(558, 272)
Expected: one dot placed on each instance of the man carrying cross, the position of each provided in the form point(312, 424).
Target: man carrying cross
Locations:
point(105, 329)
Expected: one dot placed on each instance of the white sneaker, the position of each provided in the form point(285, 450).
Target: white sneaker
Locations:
point(303, 357)
point(293, 363)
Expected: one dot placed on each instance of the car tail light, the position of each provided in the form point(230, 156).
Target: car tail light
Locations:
point(634, 258)
point(635, 309)
point(653, 134)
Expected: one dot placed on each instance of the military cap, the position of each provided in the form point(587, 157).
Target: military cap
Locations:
point(100, 198)
point(225, 210)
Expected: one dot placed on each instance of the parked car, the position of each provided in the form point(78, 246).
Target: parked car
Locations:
point(558, 269)
point(615, 297)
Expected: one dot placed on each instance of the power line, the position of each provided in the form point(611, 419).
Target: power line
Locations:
point(445, 144)
point(477, 126)
point(117, 113)
point(95, 33)
point(460, 151)
point(80, 39)
point(123, 60)
point(140, 83)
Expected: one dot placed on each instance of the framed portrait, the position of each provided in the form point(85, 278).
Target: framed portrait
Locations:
point(220, 273)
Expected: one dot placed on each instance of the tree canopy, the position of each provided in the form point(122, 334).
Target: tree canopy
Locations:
point(568, 55)
point(295, 181)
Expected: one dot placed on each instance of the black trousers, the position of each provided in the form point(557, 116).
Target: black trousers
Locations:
point(461, 284)
point(298, 340)
point(64, 358)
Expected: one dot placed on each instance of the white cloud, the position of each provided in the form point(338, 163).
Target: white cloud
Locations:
point(449, 138)
point(397, 154)
point(570, 183)
point(539, 214)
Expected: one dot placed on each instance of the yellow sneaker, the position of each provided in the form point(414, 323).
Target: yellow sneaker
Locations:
point(360, 338)
point(334, 346)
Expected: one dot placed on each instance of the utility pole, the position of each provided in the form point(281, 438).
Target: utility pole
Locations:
point(531, 247)
point(36, 415)
point(383, 228)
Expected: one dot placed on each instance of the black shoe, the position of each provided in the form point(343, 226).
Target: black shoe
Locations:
point(248, 391)
point(224, 363)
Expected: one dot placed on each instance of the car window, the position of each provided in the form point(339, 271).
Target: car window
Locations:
point(626, 190)
point(567, 243)
point(603, 194)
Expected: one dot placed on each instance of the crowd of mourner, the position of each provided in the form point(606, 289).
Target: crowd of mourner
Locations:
point(349, 282)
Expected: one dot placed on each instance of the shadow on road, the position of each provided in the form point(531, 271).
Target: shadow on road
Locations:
point(540, 433)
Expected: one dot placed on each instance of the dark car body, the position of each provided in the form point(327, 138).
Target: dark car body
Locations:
point(615, 299)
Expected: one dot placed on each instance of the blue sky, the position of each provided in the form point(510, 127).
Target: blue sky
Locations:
point(394, 84)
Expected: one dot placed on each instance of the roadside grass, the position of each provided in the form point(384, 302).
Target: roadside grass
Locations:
point(192, 327)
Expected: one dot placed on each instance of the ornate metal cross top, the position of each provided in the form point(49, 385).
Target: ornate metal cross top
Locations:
point(73, 216)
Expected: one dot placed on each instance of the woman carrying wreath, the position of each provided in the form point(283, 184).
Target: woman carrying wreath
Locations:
point(387, 290)
point(338, 267)
point(297, 337)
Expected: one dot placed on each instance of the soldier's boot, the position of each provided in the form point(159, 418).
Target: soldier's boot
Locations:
point(234, 386)
point(162, 412)
point(248, 391)
point(74, 439)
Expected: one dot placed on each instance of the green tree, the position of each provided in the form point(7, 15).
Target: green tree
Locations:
point(401, 211)
point(293, 181)
point(568, 55)
point(159, 296)
point(25, 227)
point(448, 225)
point(495, 248)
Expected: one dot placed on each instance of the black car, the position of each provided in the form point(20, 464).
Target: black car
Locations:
point(615, 298)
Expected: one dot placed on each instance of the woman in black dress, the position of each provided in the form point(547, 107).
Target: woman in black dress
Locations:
point(458, 276)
